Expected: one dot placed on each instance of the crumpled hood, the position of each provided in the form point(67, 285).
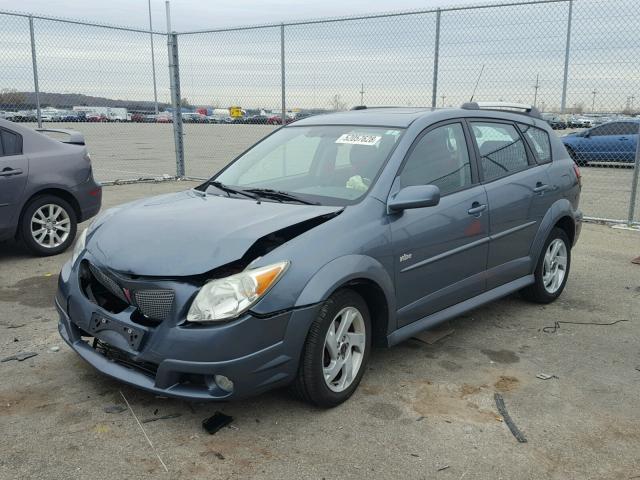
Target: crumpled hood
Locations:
point(188, 233)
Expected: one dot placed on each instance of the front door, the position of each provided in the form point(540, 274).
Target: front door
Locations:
point(441, 251)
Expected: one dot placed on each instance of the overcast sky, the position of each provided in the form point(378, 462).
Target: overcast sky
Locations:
point(200, 14)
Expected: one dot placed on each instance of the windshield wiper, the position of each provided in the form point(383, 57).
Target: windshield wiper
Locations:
point(228, 189)
point(279, 195)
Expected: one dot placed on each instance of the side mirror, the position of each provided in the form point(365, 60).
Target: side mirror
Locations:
point(417, 196)
point(586, 134)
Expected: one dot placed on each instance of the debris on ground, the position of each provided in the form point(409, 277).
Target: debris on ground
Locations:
point(434, 335)
point(216, 422)
point(115, 409)
point(55, 348)
point(16, 326)
point(444, 467)
point(545, 376)
point(636, 261)
point(19, 356)
point(162, 417)
point(556, 325)
point(507, 419)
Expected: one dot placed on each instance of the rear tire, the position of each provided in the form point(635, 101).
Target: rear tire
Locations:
point(48, 225)
point(334, 359)
point(552, 270)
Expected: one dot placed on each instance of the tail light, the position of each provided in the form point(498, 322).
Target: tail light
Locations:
point(576, 169)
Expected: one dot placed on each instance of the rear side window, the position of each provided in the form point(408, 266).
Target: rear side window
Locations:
point(501, 149)
point(539, 141)
point(11, 144)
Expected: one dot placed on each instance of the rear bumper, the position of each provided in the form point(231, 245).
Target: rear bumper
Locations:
point(578, 219)
point(89, 196)
point(180, 362)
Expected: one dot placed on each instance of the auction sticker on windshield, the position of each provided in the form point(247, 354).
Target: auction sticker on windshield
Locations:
point(359, 139)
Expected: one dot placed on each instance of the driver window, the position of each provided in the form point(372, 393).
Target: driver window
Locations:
point(439, 158)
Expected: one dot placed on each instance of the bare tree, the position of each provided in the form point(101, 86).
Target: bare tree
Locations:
point(10, 96)
point(337, 103)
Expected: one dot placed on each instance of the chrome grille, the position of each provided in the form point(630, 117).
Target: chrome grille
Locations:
point(155, 304)
point(108, 283)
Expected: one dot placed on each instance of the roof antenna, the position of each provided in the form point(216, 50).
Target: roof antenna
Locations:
point(477, 82)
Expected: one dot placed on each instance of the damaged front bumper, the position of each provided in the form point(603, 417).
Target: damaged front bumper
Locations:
point(181, 360)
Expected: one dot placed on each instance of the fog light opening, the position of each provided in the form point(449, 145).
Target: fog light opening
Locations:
point(224, 383)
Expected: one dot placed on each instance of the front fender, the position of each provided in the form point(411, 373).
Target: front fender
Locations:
point(561, 208)
point(344, 270)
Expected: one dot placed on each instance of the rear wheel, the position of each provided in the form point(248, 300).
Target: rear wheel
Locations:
point(48, 225)
point(552, 271)
point(336, 351)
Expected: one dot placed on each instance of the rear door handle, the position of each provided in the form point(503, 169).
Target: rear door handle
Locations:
point(540, 188)
point(476, 208)
point(7, 172)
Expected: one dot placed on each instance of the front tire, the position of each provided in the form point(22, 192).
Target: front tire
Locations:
point(48, 225)
point(552, 270)
point(335, 352)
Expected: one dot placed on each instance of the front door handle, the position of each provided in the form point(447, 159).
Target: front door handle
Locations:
point(540, 188)
point(7, 172)
point(476, 208)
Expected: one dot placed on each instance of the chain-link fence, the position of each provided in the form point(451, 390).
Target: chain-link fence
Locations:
point(576, 60)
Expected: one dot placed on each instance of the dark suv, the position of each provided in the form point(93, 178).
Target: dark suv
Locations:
point(331, 235)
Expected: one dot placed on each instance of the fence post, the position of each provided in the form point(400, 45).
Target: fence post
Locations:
point(634, 184)
point(282, 76)
point(436, 60)
point(174, 79)
point(567, 51)
point(36, 88)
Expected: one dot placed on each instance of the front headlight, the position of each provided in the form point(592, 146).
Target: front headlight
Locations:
point(80, 243)
point(226, 298)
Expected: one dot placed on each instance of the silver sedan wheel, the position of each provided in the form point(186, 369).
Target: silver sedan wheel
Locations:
point(344, 347)
point(554, 268)
point(50, 225)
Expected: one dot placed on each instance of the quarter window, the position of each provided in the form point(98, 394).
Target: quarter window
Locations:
point(501, 149)
point(439, 158)
point(10, 143)
point(539, 142)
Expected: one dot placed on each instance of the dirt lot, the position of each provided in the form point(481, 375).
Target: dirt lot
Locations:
point(147, 150)
point(422, 411)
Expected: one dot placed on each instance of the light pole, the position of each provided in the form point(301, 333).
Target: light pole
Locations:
point(442, 97)
point(153, 62)
point(536, 87)
point(593, 102)
point(362, 94)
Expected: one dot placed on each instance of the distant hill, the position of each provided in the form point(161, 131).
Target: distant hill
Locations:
point(68, 100)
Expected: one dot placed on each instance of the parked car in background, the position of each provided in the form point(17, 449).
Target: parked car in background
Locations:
point(24, 116)
point(257, 119)
point(163, 118)
point(610, 142)
point(46, 188)
point(579, 122)
point(96, 117)
point(554, 121)
point(333, 234)
point(137, 117)
point(194, 118)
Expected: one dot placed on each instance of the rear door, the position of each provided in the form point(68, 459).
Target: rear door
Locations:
point(440, 251)
point(13, 177)
point(517, 191)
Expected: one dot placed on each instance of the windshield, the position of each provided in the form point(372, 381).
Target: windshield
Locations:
point(330, 165)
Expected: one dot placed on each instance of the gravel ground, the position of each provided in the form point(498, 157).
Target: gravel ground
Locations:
point(422, 411)
point(134, 150)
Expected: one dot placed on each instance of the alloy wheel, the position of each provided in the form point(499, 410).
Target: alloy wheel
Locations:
point(554, 267)
point(50, 225)
point(344, 348)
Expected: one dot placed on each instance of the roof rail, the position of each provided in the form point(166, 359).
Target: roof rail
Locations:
point(522, 108)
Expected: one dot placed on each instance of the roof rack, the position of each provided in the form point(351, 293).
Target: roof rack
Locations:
point(522, 108)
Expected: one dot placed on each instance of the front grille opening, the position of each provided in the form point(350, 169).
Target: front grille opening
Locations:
point(122, 358)
point(140, 319)
point(97, 292)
